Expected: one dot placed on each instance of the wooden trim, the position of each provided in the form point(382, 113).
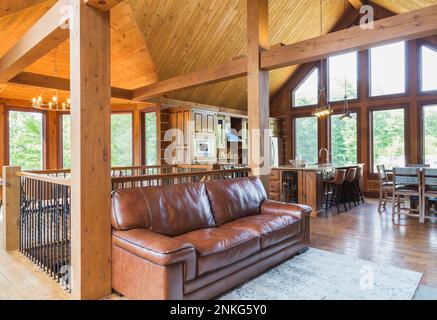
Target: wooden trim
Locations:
point(412, 25)
point(2, 135)
point(48, 33)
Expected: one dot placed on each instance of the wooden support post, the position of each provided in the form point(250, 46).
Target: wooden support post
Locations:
point(258, 90)
point(363, 152)
point(414, 154)
point(136, 122)
point(91, 152)
point(11, 205)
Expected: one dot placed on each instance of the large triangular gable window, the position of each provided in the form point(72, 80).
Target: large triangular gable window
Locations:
point(307, 93)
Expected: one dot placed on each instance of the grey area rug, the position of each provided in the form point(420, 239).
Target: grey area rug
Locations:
point(323, 275)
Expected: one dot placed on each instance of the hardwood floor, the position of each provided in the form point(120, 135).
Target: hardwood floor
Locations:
point(361, 233)
point(365, 234)
point(20, 279)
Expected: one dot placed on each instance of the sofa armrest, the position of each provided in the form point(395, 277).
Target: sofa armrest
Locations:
point(157, 248)
point(275, 207)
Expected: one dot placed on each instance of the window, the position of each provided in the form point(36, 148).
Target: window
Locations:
point(66, 141)
point(121, 139)
point(387, 69)
point(430, 135)
point(343, 74)
point(306, 141)
point(307, 93)
point(344, 139)
point(151, 139)
point(26, 140)
point(429, 67)
point(388, 128)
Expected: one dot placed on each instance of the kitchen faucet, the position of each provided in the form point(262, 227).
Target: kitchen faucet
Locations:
point(327, 154)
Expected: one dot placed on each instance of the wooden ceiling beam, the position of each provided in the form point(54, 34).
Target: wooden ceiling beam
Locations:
point(48, 82)
point(412, 25)
point(43, 37)
point(230, 70)
point(357, 4)
point(103, 5)
point(8, 7)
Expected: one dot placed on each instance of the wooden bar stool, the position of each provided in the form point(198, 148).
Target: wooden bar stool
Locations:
point(349, 186)
point(334, 187)
point(358, 194)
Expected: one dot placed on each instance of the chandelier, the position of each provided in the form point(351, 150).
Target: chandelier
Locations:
point(53, 104)
point(346, 112)
point(324, 108)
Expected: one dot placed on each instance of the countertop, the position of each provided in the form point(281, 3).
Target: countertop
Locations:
point(319, 167)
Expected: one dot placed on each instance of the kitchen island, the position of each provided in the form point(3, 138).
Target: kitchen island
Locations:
point(303, 185)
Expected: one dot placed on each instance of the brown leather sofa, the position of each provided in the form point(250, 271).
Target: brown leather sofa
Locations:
point(196, 241)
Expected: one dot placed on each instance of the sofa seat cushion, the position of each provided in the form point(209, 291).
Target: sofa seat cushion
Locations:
point(220, 247)
point(272, 229)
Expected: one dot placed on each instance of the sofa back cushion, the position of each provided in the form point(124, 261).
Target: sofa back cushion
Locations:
point(234, 199)
point(169, 210)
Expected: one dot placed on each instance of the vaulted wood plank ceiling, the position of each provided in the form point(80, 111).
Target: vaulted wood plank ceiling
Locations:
point(154, 39)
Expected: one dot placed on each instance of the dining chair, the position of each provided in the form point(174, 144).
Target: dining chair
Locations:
point(429, 190)
point(385, 188)
point(406, 183)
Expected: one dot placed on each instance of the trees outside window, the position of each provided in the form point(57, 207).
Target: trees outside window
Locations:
point(430, 135)
point(307, 93)
point(26, 140)
point(344, 139)
point(388, 135)
point(343, 74)
point(387, 69)
point(66, 141)
point(121, 140)
point(429, 69)
point(151, 139)
point(306, 139)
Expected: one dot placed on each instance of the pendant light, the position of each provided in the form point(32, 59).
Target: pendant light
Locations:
point(324, 108)
point(346, 112)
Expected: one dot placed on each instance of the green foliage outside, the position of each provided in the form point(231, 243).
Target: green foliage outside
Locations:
point(151, 139)
point(25, 140)
point(338, 93)
point(430, 131)
point(121, 139)
point(388, 138)
point(344, 139)
point(66, 140)
point(306, 139)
